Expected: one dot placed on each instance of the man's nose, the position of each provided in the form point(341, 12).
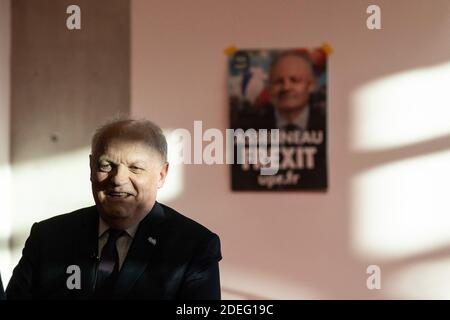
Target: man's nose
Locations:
point(285, 84)
point(119, 175)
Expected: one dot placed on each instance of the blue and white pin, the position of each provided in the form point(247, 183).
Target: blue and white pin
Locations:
point(152, 240)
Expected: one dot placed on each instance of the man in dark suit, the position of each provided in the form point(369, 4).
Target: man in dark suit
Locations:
point(291, 85)
point(291, 96)
point(127, 246)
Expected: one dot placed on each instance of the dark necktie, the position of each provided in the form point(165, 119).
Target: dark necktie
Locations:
point(109, 262)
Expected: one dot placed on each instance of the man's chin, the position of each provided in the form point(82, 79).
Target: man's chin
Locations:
point(116, 212)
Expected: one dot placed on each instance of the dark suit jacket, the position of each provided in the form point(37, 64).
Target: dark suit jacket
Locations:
point(2, 293)
point(182, 264)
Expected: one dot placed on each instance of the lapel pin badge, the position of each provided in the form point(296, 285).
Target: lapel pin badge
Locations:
point(152, 240)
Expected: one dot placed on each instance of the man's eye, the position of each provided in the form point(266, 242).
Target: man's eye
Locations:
point(106, 167)
point(135, 169)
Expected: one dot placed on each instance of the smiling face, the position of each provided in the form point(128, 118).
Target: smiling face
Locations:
point(125, 177)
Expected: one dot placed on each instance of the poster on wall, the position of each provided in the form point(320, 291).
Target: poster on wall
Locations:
point(278, 113)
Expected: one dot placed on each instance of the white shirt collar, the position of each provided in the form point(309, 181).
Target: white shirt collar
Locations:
point(103, 227)
point(301, 121)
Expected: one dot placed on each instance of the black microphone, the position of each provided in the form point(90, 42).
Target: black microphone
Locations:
point(94, 256)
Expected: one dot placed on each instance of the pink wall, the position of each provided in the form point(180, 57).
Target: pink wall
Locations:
point(293, 245)
point(5, 44)
point(5, 178)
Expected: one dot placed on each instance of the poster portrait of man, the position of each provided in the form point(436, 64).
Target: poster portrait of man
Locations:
point(284, 90)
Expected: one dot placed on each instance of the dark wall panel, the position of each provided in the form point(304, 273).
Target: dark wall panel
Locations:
point(66, 82)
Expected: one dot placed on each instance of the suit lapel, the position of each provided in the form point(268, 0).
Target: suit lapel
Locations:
point(88, 250)
point(141, 251)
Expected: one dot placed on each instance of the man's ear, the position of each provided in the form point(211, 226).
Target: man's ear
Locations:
point(163, 174)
